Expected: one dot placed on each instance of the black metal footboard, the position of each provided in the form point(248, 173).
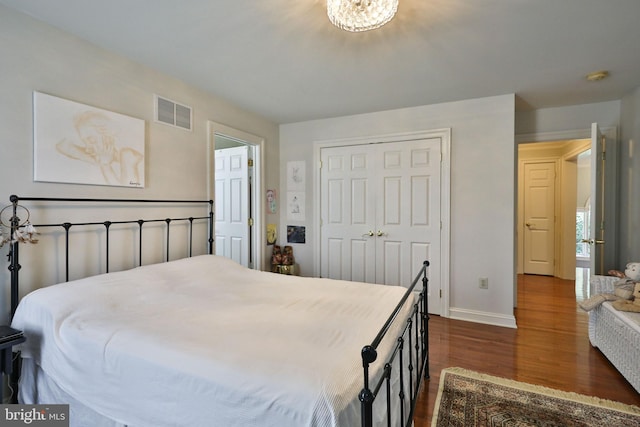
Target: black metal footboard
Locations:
point(408, 361)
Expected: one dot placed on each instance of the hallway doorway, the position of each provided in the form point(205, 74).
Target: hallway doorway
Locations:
point(553, 188)
point(235, 185)
point(602, 202)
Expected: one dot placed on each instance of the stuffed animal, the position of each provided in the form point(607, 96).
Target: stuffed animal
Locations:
point(629, 305)
point(287, 256)
point(276, 257)
point(623, 288)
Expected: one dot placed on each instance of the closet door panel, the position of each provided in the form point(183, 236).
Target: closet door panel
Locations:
point(347, 241)
point(409, 210)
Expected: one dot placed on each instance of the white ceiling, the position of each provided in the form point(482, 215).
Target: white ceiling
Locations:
point(283, 59)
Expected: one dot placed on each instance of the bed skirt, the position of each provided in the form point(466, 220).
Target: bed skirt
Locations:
point(37, 388)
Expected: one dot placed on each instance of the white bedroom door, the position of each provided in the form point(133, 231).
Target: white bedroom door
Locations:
point(232, 203)
point(597, 233)
point(380, 212)
point(539, 218)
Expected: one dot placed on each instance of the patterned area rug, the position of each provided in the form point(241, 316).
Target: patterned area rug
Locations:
point(470, 399)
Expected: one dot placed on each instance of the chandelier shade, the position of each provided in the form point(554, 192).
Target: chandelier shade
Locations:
point(361, 15)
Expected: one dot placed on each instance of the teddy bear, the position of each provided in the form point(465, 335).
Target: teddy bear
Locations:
point(623, 288)
point(629, 305)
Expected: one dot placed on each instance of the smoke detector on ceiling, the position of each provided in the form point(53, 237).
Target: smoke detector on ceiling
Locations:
point(597, 76)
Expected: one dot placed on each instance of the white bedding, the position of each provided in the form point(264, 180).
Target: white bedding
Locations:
point(204, 341)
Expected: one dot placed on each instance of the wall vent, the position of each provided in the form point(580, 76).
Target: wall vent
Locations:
point(172, 113)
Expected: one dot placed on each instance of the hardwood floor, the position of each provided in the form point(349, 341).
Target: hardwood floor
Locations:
point(550, 347)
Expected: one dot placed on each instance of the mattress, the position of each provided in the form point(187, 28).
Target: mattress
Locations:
point(204, 341)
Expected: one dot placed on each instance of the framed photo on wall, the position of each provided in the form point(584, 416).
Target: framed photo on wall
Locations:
point(296, 234)
point(78, 144)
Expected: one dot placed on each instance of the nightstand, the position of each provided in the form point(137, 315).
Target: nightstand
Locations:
point(9, 337)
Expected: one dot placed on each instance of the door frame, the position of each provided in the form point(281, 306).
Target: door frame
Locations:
point(257, 143)
point(445, 195)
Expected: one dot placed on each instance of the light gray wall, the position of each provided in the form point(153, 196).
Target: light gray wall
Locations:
point(38, 57)
point(575, 117)
point(629, 161)
point(482, 192)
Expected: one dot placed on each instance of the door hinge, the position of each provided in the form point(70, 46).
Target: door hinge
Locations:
point(440, 293)
point(250, 163)
point(320, 164)
point(250, 222)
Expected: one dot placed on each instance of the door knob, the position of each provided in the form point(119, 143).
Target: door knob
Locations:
point(380, 233)
point(370, 234)
point(591, 242)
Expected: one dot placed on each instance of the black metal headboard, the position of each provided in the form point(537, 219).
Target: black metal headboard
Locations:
point(15, 224)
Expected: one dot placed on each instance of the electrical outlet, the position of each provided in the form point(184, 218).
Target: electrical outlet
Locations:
point(484, 283)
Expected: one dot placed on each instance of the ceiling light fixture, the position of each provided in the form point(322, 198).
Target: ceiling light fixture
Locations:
point(597, 75)
point(361, 15)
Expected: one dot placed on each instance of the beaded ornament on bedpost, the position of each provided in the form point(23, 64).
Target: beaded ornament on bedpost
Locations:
point(18, 232)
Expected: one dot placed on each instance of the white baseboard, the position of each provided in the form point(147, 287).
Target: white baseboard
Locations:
point(483, 317)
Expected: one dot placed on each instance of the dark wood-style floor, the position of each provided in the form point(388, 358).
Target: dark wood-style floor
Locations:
point(550, 347)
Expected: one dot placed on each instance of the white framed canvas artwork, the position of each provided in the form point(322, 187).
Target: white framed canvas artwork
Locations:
point(79, 144)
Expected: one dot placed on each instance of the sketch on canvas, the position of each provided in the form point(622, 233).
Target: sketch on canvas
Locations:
point(295, 205)
point(79, 144)
point(295, 176)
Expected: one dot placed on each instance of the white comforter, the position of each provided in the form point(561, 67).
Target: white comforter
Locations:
point(206, 342)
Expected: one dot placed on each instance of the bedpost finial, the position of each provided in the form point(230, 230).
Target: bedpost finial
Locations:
point(369, 354)
point(426, 263)
point(13, 198)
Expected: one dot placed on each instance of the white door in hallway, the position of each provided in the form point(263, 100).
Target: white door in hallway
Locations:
point(380, 213)
point(232, 204)
point(596, 225)
point(539, 218)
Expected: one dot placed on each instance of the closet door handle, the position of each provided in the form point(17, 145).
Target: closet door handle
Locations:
point(370, 234)
point(381, 233)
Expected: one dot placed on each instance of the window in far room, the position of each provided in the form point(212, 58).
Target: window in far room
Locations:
point(582, 233)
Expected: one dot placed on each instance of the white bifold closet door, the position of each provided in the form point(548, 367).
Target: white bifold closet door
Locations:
point(380, 211)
